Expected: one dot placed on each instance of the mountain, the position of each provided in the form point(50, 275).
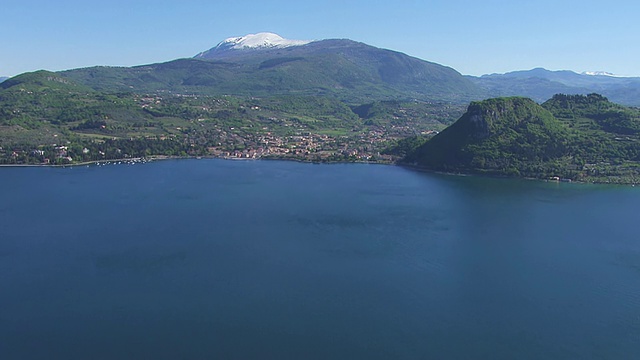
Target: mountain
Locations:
point(493, 136)
point(598, 73)
point(576, 137)
point(541, 84)
point(3, 78)
point(266, 64)
point(253, 42)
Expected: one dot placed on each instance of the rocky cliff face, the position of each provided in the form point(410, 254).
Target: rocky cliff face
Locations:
point(478, 124)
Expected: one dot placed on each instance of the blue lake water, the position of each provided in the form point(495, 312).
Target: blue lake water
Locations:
point(214, 259)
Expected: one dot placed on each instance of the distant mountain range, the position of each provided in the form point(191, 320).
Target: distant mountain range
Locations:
point(266, 64)
point(540, 84)
point(3, 78)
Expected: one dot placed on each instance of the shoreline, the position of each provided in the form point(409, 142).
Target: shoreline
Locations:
point(97, 162)
point(496, 176)
point(135, 160)
point(144, 160)
point(166, 157)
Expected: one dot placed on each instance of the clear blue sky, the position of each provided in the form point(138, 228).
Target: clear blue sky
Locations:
point(472, 37)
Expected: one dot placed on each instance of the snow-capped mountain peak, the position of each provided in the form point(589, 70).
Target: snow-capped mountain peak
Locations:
point(598, 73)
point(262, 40)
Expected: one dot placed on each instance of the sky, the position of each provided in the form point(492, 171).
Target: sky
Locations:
point(473, 37)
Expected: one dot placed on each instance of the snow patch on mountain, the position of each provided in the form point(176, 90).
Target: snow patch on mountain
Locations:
point(264, 40)
point(598, 73)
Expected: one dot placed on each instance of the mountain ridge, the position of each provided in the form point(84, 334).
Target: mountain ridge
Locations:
point(263, 64)
point(349, 70)
point(541, 84)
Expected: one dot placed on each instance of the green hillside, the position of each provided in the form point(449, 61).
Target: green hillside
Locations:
point(594, 112)
point(43, 112)
point(577, 137)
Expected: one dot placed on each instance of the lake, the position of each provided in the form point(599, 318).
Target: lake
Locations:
point(220, 259)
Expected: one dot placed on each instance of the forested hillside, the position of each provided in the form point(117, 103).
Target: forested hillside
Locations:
point(575, 137)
